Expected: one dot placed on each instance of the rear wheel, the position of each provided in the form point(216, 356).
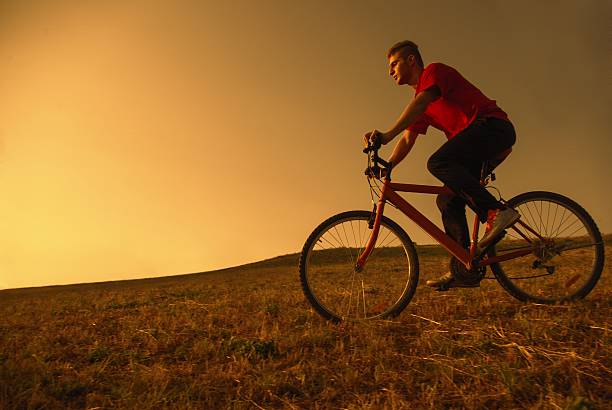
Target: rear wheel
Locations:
point(333, 286)
point(565, 264)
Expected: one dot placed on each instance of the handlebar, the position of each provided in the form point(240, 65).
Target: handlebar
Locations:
point(374, 170)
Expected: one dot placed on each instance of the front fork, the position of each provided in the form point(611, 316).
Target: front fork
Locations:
point(374, 224)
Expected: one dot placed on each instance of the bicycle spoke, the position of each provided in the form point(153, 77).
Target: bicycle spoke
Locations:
point(348, 311)
point(379, 244)
point(359, 241)
point(390, 242)
point(361, 236)
point(353, 257)
point(338, 242)
point(364, 301)
point(573, 247)
point(330, 244)
point(547, 217)
point(561, 222)
point(322, 240)
point(568, 227)
point(540, 222)
point(342, 245)
point(355, 239)
point(580, 228)
point(338, 237)
point(532, 221)
point(555, 218)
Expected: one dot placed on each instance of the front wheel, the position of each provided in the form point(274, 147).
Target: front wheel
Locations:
point(340, 292)
point(566, 260)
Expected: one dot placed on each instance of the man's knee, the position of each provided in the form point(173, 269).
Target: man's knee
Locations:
point(436, 163)
point(443, 201)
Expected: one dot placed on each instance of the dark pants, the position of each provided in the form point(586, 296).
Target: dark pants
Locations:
point(458, 164)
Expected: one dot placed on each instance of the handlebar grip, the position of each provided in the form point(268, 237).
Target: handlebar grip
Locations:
point(373, 144)
point(372, 147)
point(377, 143)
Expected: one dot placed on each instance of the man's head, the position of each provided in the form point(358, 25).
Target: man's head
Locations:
point(405, 62)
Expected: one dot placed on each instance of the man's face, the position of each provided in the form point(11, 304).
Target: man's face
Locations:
point(401, 68)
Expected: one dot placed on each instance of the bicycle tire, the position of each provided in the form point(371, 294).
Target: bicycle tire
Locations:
point(568, 268)
point(382, 289)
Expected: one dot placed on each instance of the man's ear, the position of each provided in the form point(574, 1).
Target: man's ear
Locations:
point(411, 59)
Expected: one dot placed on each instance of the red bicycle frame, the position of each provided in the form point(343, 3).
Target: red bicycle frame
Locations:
point(389, 192)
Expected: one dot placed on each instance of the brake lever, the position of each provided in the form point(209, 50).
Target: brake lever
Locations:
point(383, 163)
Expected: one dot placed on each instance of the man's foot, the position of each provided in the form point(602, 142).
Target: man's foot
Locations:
point(497, 221)
point(448, 280)
point(443, 280)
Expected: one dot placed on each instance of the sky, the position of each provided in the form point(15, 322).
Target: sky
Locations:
point(152, 138)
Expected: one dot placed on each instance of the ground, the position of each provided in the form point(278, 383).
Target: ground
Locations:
point(245, 338)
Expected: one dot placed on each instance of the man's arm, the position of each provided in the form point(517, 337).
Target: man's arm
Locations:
point(403, 147)
point(411, 113)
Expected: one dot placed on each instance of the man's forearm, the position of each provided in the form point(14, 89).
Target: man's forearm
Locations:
point(402, 148)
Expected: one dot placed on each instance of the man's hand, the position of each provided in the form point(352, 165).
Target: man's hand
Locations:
point(375, 136)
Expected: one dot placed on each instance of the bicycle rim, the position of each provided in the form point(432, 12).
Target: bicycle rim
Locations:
point(565, 265)
point(331, 283)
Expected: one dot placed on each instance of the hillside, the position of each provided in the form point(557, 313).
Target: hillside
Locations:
point(245, 338)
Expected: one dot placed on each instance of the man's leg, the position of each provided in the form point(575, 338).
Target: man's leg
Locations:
point(457, 163)
point(452, 208)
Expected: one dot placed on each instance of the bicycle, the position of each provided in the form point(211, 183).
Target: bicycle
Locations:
point(361, 265)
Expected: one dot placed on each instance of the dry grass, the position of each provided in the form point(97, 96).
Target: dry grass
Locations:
point(245, 338)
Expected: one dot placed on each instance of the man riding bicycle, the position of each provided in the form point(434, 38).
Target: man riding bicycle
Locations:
point(477, 131)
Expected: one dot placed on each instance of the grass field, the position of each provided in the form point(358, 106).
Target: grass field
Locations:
point(245, 338)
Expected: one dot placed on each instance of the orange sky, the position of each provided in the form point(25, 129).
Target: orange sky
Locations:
point(147, 138)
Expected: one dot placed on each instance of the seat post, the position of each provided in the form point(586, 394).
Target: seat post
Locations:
point(484, 173)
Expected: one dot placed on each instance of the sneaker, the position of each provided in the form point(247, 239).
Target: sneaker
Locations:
point(448, 280)
point(443, 280)
point(497, 221)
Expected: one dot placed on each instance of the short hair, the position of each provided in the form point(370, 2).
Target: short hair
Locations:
point(406, 48)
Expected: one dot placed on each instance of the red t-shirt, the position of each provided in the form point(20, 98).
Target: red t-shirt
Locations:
point(460, 102)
